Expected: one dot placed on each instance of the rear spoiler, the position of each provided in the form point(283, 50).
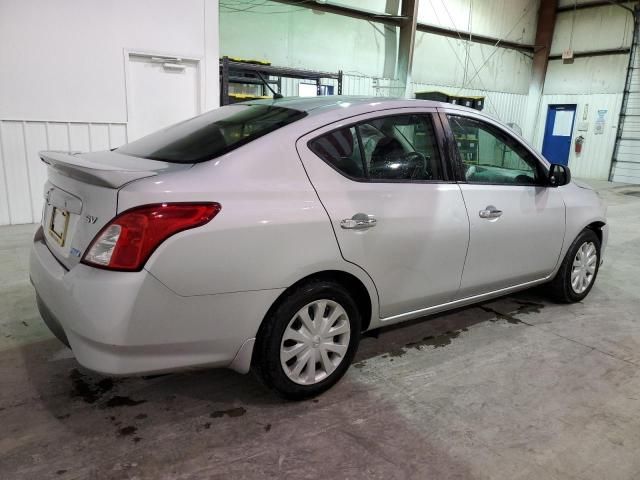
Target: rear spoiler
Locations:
point(111, 171)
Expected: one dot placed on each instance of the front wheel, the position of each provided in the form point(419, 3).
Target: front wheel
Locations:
point(308, 342)
point(579, 269)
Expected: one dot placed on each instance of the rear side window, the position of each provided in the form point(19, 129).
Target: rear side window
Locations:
point(400, 147)
point(211, 134)
point(341, 150)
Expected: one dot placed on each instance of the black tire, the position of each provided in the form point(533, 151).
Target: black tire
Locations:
point(266, 359)
point(560, 287)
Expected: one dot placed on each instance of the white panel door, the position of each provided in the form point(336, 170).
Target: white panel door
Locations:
point(160, 92)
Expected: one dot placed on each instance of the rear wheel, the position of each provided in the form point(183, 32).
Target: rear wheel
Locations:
point(308, 341)
point(579, 269)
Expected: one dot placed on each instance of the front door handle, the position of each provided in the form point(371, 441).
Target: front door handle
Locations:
point(490, 212)
point(359, 221)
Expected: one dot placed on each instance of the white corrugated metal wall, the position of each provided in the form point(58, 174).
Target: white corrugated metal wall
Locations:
point(22, 174)
point(504, 106)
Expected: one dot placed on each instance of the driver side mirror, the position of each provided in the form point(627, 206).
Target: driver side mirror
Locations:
point(559, 175)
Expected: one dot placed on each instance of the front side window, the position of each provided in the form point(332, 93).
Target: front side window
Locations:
point(401, 147)
point(211, 134)
point(491, 156)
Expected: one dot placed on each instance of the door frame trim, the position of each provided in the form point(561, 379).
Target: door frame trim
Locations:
point(455, 154)
point(439, 132)
point(402, 317)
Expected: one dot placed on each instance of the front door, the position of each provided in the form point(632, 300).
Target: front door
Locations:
point(516, 222)
point(557, 133)
point(394, 214)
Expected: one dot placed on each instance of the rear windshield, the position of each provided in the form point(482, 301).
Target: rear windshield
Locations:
point(211, 134)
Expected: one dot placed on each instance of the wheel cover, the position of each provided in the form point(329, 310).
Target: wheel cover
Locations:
point(584, 267)
point(315, 342)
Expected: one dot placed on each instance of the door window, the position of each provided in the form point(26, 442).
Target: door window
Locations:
point(491, 156)
point(401, 147)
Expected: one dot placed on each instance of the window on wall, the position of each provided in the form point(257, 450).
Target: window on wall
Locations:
point(401, 147)
point(490, 156)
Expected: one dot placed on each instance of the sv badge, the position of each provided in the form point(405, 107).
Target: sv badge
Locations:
point(90, 219)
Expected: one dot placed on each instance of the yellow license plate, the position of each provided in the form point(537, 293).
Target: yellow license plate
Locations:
point(58, 225)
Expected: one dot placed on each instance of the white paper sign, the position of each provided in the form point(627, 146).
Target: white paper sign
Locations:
point(563, 123)
point(599, 127)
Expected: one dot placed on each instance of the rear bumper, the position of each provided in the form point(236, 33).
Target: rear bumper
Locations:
point(122, 323)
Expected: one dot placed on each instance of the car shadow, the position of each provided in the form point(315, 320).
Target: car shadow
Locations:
point(64, 388)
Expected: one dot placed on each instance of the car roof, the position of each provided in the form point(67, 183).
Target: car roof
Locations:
point(322, 104)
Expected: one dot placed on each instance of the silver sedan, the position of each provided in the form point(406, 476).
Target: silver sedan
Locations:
point(271, 234)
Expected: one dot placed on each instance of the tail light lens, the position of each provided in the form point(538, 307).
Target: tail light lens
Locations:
point(127, 242)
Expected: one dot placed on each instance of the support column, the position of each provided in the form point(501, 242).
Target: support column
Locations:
point(409, 13)
point(390, 41)
point(544, 35)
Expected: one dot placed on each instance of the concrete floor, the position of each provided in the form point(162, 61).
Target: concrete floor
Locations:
point(512, 389)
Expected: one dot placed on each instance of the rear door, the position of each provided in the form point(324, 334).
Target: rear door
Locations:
point(394, 209)
point(517, 223)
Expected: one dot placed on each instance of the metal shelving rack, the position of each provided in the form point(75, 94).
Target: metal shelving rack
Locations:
point(246, 73)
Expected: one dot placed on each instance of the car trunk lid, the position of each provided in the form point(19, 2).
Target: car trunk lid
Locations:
point(81, 196)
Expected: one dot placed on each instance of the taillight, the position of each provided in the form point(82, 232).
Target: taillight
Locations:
point(127, 241)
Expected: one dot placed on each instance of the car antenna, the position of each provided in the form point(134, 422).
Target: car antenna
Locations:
point(266, 84)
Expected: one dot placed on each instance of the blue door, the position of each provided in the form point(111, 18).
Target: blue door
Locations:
point(557, 133)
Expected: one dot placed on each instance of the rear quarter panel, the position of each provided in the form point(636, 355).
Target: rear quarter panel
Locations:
point(271, 231)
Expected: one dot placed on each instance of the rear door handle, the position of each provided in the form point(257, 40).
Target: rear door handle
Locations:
point(490, 212)
point(360, 221)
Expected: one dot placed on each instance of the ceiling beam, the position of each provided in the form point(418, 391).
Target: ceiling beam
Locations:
point(594, 4)
point(396, 21)
point(472, 37)
point(595, 53)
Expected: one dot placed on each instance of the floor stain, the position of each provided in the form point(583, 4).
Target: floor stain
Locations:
point(126, 431)
point(137, 439)
point(267, 427)
point(86, 389)
point(437, 341)
point(529, 307)
point(63, 416)
point(120, 401)
point(633, 193)
point(232, 412)
point(501, 316)
point(359, 364)
point(141, 416)
point(61, 472)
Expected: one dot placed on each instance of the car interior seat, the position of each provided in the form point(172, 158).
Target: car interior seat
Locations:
point(337, 148)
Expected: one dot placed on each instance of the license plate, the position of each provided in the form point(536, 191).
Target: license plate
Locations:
point(58, 225)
